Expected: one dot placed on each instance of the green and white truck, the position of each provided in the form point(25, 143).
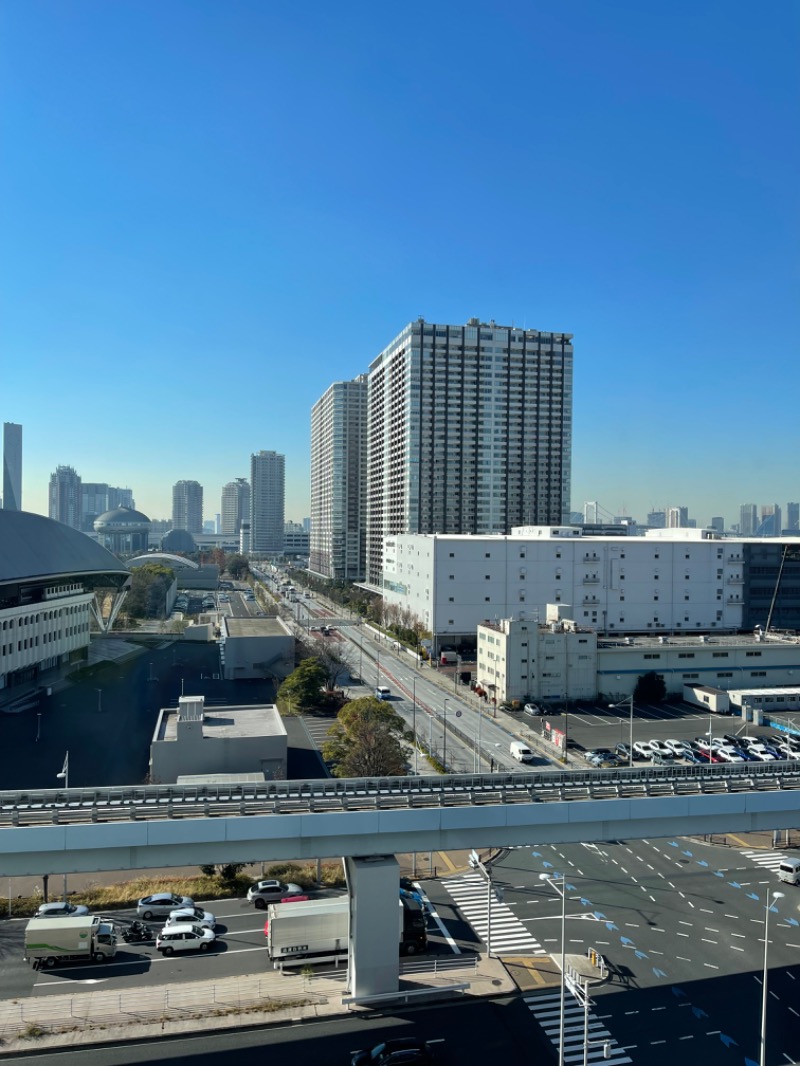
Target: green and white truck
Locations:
point(49, 941)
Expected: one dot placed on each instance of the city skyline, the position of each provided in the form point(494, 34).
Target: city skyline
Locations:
point(175, 231)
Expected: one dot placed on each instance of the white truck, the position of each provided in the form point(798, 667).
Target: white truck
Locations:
point(52, 940)
point(317, 930)
point(521, 752)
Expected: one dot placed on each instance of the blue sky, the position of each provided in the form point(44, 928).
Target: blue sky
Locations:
point(212, 210)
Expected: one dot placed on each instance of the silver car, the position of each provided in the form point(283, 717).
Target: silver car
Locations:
point(61, 910)
point(195, 915)
point(264, 892)
point(185, 936)
point(160, 904)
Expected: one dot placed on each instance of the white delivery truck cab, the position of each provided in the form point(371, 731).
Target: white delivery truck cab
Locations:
point(521, 752)
point(382, 692)
point(789, 871)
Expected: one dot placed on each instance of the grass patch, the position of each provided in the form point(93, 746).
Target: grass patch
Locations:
point(102, 898)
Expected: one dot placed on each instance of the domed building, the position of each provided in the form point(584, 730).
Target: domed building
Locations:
point(123, 531)
point(179, 540)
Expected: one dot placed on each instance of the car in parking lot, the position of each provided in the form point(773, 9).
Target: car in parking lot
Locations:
point(661, 747)
point(727, 753)
point(677, 747)
point(160, 904)
point(193, 915)
point(61, 909)
point(184, 936)
point(533, 709)
point(603, 760)
point(761, 753)
point(644, 748)
point(272, 891)
point(403, 1050)
point(623, 752)
point(661, 758)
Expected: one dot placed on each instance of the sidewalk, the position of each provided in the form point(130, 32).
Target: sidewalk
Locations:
point(103, 1016)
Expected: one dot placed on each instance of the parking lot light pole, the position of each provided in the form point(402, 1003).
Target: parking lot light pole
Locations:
point(553, 880)
point(771, 898)
point(444, 740)
point(613, 706)
point(64, 776)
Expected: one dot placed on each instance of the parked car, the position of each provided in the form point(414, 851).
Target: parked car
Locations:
point(160, 904)
point(661, 758)
point(727, 753)
point(185, 936)
point(61, 910)
point(195, 915)
point(271, 891)
point(677, 747)
point(644, 748)
point(533, 708)
point(761, 753)
point(623, 752)
point(404, 1049)
point(596, 753)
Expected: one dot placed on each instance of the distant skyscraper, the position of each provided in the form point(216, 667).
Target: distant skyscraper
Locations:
point(187, 506)
point(677, 517)
point(469, 430)
point(657, 519)
point(12, 466)
point(748, 519)
point(94, 502)
point(64, 498)
point(792, 516)
point(120, 498)
point(267, 486)
point(718, 524)
point(338, 470)
point(771, 521)
point(235, 506)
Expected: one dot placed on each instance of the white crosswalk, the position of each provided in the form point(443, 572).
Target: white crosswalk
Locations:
point(546, 1009)
point(770, 860)
point(509, 935)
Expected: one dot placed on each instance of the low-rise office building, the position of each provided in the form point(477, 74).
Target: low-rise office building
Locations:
point(195, 740)
point(558, 661)
point(256, 648)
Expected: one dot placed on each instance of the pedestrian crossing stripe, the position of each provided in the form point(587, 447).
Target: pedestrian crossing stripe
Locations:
point(509, 936)
point(546, 1009)
point(770, 860)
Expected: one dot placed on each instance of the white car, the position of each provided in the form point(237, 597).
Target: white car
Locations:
point(644, 747)
point(181, 915)
point(160, 904)
point(760, 752)
point(660, 747)
point(264, 892)
point(728, 753)
point(185, 936)
point(677, 747)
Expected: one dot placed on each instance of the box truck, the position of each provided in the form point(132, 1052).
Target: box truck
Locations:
point(52, 940)
point(317, 930)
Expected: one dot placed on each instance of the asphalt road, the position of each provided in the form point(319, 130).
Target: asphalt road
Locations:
point(681, 926)
point(470, 1031)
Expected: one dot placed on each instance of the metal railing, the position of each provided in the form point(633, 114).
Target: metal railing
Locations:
point(150, 802)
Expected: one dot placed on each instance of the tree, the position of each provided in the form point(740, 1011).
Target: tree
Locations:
point(650, 688)
point(237, 566)
point(365, 740)
point(148, 592)
point(336, 660)
point(303, 687)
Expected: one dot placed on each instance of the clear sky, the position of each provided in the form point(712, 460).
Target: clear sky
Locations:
point(212, 209)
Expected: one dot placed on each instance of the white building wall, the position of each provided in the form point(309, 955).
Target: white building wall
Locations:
point(614, 584)
point(43, 634)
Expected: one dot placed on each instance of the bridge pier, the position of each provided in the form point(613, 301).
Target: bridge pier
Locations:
point(374, 887)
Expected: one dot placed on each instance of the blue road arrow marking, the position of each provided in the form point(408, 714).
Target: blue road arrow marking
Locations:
point(718, 873)
point(753, 895)
point(688, 854)
point(610, 926)
point(677, 991)
point(728, 1041)
point(734, 884)
point(702, 862)
point(698, 1012)
point(600, 916)
point(641, 954)
point(625, 940)
point(585, 902)
point(658, 973)
point(673, 844)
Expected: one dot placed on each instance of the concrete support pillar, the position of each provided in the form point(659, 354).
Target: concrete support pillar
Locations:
point(375, 914)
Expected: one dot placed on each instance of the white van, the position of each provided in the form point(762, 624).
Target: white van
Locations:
point(521, 752)
point(789, 871)
point(382, 692)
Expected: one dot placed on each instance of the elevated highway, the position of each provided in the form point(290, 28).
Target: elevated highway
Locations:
point(139, 827)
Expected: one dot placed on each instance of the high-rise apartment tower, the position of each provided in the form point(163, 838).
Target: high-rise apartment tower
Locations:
point(338, 467)
point(748, 520)
point(267, 488)
point(187, 506)
point(235, 506)
point(64, 497)
point(12, 466)
point(469, 431)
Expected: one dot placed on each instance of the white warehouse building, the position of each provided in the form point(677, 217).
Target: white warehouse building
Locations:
point(667, 581)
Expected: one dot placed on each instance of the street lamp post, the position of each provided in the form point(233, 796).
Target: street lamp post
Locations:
point(552, 880)
point(444, 740)
point(414, 725)
point(629, 701)
point(64, 776)
point(770, 900)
